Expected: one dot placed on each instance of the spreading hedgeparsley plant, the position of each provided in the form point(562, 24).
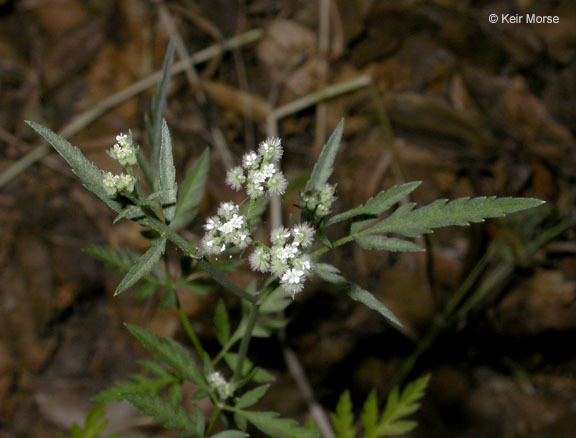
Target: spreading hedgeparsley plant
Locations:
point(146, 191)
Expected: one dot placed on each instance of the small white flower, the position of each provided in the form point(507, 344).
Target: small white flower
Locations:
point(279, 236)
point(292, 289)
point(260, 260)
point(292, 276)
point(124, 151)
point(286, 253)
point(254, 191)
point(125, 182)
point(271, 149)
point(250, 160)
point(220, 385)
point(277, 184)
point(109, 182)
point(235, 178)
point(303, 234)
point(212, 223)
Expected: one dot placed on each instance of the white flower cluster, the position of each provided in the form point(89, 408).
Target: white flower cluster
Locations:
point(114, 184)
point(220, 385)
point(286, 259)
point(124, 151)
point(225, 230)
point(258, 172)
point(319, 202)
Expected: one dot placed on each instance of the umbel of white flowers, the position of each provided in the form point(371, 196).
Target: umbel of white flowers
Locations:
point(286, 259)
point(258, 172)
point(124, 152)
point(220, 385)
point(225, 230)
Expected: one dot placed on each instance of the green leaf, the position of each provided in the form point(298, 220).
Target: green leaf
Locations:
point(167, 175)
point(378, 204)
point(164, 413)
point(387, 243)
point(94, 424)
point(399, 406)
point(191, 191)
point(138, 384)
point(358, 294)
point(122, 260)
point(200, 421)
point(252, 397)
point(275, 301)
point(271, 425)
point(221, 323)
point(159, 104)
point(130, 212)
point(143, 265)
point(325, 165)
point(343, 420)
point(332, 275)
point(329, 273)
point(442, 213)
point(370, 415)
point(230, 434)
point(170, 352)
point(89, 174)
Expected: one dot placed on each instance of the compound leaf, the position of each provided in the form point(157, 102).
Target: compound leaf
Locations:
point(442, 213)
point(343, 419)
point(378, 204)
point(169, 352)
point(89, 174)
point(399, 406)
point(167, 414)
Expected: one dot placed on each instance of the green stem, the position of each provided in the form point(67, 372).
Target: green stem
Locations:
point(336, 244)
point(224, 350)
point(189, 330)
point(214, 417)
point(252, 317)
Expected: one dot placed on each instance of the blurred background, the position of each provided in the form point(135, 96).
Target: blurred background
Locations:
point(430, 91)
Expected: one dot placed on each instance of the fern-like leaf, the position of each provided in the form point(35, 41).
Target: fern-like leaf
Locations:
point(139, 383)
point(399, 406)
point(442, 213)
point(164, 413)
point(169, 352)
point(378, 204)
point(343, 419)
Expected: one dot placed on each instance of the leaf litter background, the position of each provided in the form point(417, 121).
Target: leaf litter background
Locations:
point(468, 107)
